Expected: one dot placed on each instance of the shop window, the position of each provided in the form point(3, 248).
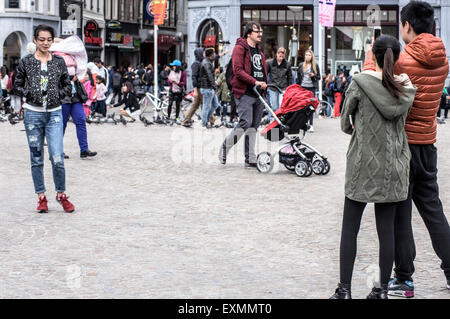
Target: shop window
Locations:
point(348, 16)
point(392, 16)
point(255, 15)
point(366, 15)
point(247, 15)
point(272, 15)
point(340, 15)
point(290, 15)
point(384, 16)
point(307, 15)
point(357, 16)
point(281, 15)
point(13, 4)
point(264, 15)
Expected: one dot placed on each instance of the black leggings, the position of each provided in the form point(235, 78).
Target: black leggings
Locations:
point(385, 217)
point(177, 97)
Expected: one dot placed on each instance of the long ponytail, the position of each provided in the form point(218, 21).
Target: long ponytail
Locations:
point(387, 51)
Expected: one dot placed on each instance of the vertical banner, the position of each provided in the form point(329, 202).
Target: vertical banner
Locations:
point(326, 12)
point(159, 11)
point(148, 10)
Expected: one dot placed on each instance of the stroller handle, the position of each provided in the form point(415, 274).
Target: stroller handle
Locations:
point(256, 87)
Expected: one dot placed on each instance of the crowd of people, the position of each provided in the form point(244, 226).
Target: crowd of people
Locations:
point(389, 109)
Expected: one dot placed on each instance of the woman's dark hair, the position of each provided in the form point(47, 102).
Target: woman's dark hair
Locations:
point(209, 52)
point(420, 15)
point(130, 87)
point(3, 71)
point(44, 27)
point(248, 29)
point(387, 51)
point(102, 80)
point(91, 78)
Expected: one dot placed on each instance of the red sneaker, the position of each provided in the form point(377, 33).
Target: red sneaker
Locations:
point(42, 205)
point(63, 199)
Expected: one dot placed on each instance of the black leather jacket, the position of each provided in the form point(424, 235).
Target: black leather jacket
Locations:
point(315, 79)
point(80, 96)
point(131, 102)
point(28, 81)
point(206, 77)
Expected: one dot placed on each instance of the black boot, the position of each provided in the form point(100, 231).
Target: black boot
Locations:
point(379, 293)
point(343, 291)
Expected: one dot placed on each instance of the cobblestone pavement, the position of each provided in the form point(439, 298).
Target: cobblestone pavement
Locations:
point(158, 217)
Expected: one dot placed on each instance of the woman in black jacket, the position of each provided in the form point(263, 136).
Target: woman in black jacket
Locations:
point(73, 106)
point(308, 76)
point(132, 107)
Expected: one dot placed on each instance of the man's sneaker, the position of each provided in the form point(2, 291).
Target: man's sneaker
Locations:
point(63, 199)
point(42, 205)
point(311, 129)
point(87, 153)
point(250, 165)
point(65, 156)
point(401, 289)
point(378, 293)
point(223, 154)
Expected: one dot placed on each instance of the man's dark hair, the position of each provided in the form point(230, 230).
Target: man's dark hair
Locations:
point(420, 15)
point(209, 52)
point(249, 28)
point(44, 27)
point(98, 60)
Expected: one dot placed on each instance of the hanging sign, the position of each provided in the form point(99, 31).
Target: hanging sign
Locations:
point(326, 12)
point(159, 11)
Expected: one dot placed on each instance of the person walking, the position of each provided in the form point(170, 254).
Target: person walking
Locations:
point(15, 100)
point(377, 160)
point(328, 92)
point(117, 85)
point(279, 72)
point(73, 106)
point(425, 61)
point(443, 107)
point(198, 98)
point(224, 95)
point(177, 83)
point(308, 76)
point(249, 70)
point(207, 88)
point(100, 96)
point(42, 79)
point(4, 80)
point(102, 71)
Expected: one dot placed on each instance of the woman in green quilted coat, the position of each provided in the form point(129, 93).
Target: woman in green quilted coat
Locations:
point(374, 113)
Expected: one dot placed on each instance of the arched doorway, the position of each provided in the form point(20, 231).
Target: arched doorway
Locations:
point(210, 35)
point(12, 50)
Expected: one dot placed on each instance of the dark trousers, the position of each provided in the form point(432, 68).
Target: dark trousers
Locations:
point(445, 112)
point(311, 116)
point(100, 107)
point(76, 110)
point(177, 98)
point(117, 90)
point(424, 191)
point(385, 216)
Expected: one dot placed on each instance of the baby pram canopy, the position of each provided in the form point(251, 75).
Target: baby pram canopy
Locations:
point(297, 105)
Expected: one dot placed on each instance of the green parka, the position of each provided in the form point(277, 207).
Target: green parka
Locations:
point(378, 155)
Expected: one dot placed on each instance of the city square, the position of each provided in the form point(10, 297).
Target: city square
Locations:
point(151, 224)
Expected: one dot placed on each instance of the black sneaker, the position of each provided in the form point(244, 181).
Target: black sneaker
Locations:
point(378, 293)
point(223, 154)
point(65, 156)
point(250, 165)
point(343, 291)
point(401, 289)
point(87, 153)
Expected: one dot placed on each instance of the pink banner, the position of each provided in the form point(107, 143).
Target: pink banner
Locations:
point(326, 12)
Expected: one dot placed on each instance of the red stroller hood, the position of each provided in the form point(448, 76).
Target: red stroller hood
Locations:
point(295, 98)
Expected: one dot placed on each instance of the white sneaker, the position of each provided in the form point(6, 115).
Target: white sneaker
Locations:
point(311, 129)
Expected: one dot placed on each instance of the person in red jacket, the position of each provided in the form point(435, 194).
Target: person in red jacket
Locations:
point(249, 70)
point(425, 61)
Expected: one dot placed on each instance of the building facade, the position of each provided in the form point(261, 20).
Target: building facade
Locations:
point(294, 24)
point(18, 19)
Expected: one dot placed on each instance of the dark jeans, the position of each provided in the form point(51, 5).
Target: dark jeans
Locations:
point(177, 98)
point(100, 107)
point(76, 110)
point(445, 112)
point(250, 110)
point(424, 191)
point(117, 90)
point(311, 116)
point(385, 216)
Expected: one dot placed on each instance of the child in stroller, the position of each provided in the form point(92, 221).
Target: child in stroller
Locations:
point(289, 119)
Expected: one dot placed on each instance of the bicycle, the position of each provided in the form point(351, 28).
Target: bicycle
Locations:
point(162, 104)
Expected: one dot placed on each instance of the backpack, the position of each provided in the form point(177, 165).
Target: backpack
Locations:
point(229, 71)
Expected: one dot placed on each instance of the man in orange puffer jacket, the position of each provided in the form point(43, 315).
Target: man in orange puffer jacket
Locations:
point(424, 60)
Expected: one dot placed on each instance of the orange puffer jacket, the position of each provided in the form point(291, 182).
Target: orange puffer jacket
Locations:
point(425, 61)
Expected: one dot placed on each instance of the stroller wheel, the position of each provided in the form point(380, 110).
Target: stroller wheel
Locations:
point(318, 167)
point(290, 167)
point(302, 169)
point(264, 162)
point(326, 168)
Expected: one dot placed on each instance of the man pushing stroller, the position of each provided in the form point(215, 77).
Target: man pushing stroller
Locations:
point(248, 70)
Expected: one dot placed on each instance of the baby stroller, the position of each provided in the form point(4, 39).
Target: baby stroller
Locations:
point(289, 119)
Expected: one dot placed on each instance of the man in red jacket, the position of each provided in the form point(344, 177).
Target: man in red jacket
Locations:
point(249, 70)
point(425, 61)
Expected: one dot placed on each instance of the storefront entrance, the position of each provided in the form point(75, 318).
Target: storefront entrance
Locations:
point(12, 48)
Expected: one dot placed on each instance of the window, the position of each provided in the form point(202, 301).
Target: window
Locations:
point(247, 15)
point(272, 15)
point(392, 16)
point(281, 15)
point(108, 9)
point(255, 15)
point(348, 16)
point(264, 15)
point(12, 4)
point(357, 16)
point(307, 15)
point(115, 9)
point(340, 15)
point(122, 10)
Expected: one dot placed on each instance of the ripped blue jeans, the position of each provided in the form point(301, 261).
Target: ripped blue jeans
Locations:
point(48, 125)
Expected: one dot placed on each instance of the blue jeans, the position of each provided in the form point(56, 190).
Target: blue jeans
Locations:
point(210, 104)
point(48, 125)
point(76, 110)
point(275, 101)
